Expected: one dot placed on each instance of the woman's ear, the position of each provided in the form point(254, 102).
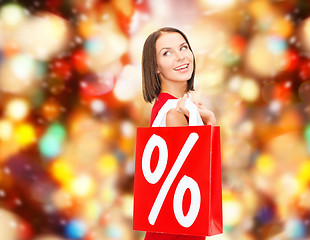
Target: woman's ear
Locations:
point(157, 70)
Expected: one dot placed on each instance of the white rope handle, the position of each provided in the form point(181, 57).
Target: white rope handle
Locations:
point(194, 117)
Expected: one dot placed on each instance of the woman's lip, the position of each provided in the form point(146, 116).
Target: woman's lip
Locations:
point(181, 67)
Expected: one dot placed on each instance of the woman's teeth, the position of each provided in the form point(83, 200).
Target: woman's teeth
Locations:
point(181, 67)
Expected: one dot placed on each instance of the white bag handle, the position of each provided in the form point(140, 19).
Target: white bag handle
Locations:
point(194, 117)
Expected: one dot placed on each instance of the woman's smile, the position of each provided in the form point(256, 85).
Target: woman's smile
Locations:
point(182, 68)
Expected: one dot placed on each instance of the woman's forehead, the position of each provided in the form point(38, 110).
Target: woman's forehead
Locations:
point(169, 40)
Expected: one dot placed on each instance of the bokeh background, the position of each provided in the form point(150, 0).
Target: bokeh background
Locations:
point(71, 99)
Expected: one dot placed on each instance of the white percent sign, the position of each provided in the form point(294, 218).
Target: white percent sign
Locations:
point(185, 183)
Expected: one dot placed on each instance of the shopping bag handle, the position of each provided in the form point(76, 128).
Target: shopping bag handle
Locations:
point(194, 117)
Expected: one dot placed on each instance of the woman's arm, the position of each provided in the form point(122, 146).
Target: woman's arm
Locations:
point(176, 117)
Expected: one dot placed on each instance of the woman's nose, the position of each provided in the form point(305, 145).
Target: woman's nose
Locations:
point(180, 56)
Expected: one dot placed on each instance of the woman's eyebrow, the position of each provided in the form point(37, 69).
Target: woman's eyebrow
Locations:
point(164, 48)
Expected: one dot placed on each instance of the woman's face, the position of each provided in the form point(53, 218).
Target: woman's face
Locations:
point(174, 58)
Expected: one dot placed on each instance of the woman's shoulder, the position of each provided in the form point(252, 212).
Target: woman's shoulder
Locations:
point(160, 101)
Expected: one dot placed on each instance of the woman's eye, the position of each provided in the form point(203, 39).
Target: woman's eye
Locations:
point(166, 53)
point(184, 47)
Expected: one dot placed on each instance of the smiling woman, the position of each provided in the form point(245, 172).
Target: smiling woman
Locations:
point(168, 70)
point(174, 63)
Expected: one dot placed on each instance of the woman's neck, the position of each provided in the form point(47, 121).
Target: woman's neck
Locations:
point(177, 90)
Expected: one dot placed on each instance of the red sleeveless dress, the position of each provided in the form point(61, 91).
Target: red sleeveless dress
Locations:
point(161, 100)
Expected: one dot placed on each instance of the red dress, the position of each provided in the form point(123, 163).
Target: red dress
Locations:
point(161, 100)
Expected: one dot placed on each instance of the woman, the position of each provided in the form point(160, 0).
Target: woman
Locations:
point(168, 69)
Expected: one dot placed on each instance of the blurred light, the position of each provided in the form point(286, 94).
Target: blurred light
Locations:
point(87, 27)
point(232, 54)
point(232, 210)
point(223, 236)
point(276, 45)
point(229, 57)
point(80, 61)
point(75, 229)
point(126, 87)
point(106, 47)
point(268, 91)
point(12, 14)
point(136, 42)
point(126, 145)
point(304, 171)
point(19, 73)
point(275, 106)
point(128, 129)
point(249, 90)
point(114, 231)
point(295, 229)
point(260, 9)
point(305, 35)
point(108, 195)
point(304, 69)
point(57, 130)
point(125, 7)
point(283, 91)
point(282, 27)
point(219, 3)
point(62, 199)
point(208, 37)
point(61, 68)
point(289, 186)
point(304, 92)
point(97, 84)
point(42, 36)
point(92, 211)
point(108, 165)
point(265, 164)
point(25, 134)
point(304, 199)
point(211, 76)
point(9, 49)
point(62, 171)
point(17, 109)
point(23, 67)
point(83, 186)
point(235, 83)
point(97, 106)
point(51, 109)
point(50, 144)
point(292, 60)
point(127, 205)
point(93, 45)
point(265, 214)
point(6, 129)
point(48, 237)
point(25, 230)
point(307, 133)
point(237, 43)
point(8, 225)
point(266, 55)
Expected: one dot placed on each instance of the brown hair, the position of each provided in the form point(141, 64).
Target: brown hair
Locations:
point(151, 85)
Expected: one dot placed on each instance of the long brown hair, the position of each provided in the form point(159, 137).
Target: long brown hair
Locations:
point(151, 85)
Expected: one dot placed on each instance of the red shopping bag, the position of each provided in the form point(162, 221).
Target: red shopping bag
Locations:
point(177, 186)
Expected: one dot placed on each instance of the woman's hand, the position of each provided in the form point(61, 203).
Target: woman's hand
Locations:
point(176, 117)
point(206, 115)
point(181, 105)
